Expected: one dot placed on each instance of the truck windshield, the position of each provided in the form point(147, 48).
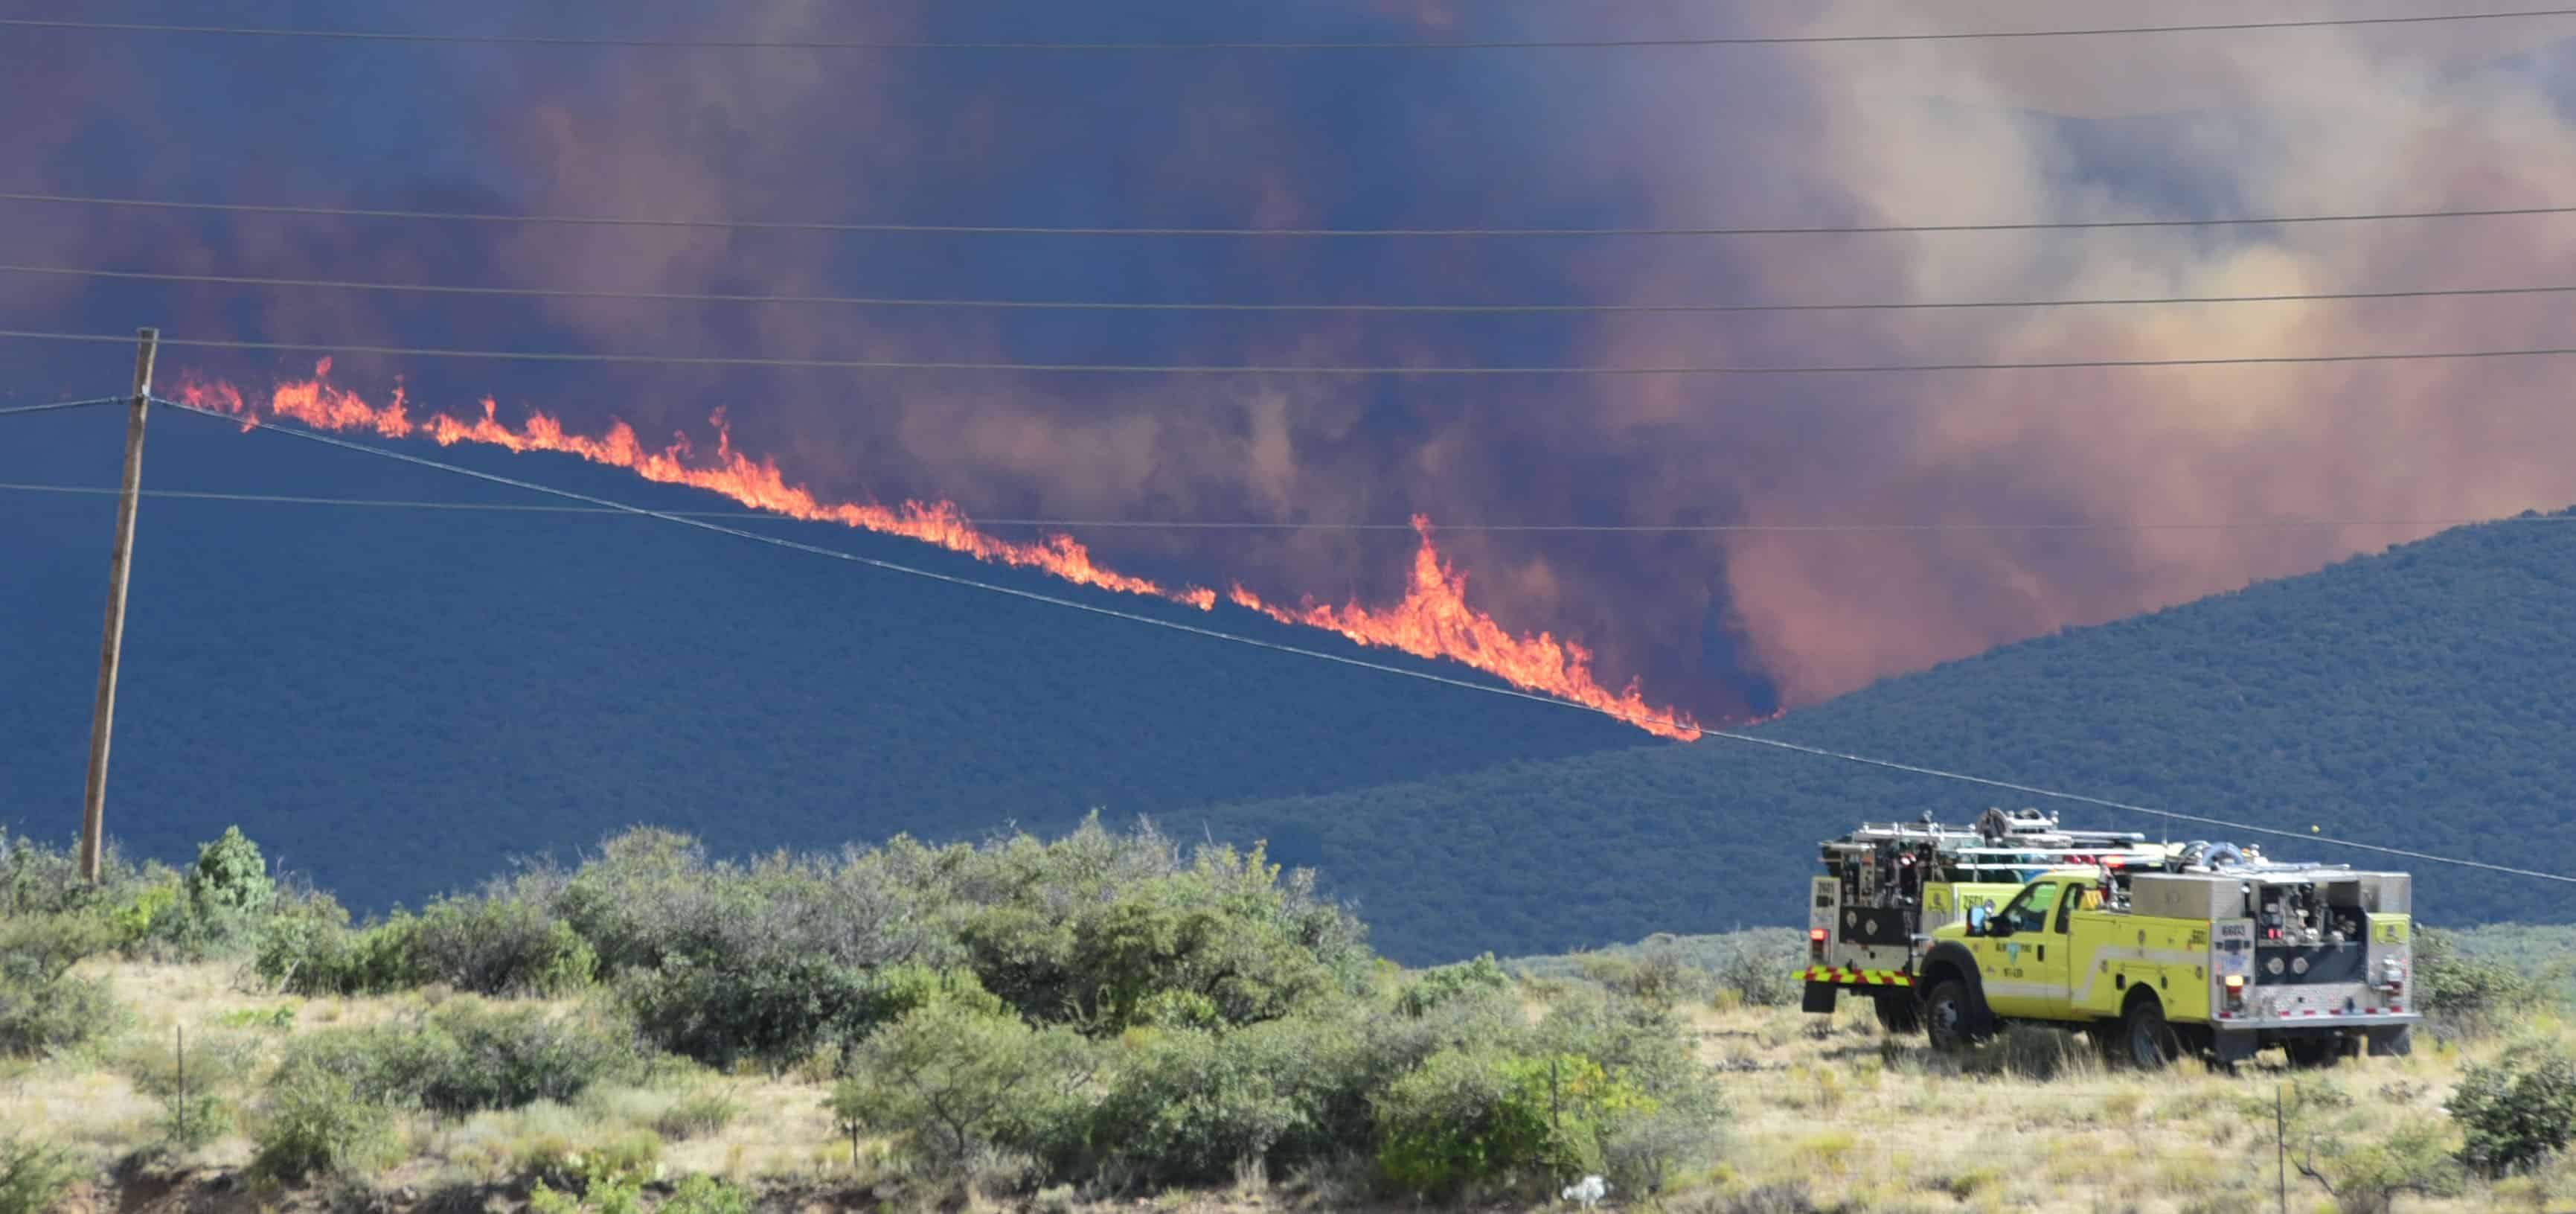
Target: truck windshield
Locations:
point(2029, 912)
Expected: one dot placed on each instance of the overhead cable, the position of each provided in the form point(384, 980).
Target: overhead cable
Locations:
point(50, 406)
point(1385, 369)
point(1340, 659)
point(1098, 524)
point(905, 44)
point(952, 229)
point(1051, 305)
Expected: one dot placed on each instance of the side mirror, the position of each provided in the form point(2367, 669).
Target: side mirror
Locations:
point(1977, 916)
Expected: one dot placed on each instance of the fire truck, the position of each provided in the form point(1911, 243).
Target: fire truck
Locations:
point(1888, 886)
point(2155, 951)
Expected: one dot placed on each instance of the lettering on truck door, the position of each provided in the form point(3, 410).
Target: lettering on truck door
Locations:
point(2016, 965)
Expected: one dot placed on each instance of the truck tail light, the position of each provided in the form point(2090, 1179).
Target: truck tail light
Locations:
point(2235, 990)
point(1816, 943)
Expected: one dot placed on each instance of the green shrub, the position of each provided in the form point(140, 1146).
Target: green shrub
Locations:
point(230, 879)
point(2469, 992)
point(957, 1085)
point(1190, 1105)
point(195, 1119)
point(707, 1195)
point(498, 946)
point(467, 1056)
point(1450, 982)
point(34, 1176)
point(1224, 929)
point(313, 951)
point(44, 1007)
point(197, 1101)
point(1474, 1118)
point(1755, 975)
point(781, 1012)
point(314, 1123)
point(64, 1014)
point(2364, 1172)
point(2518, 1111)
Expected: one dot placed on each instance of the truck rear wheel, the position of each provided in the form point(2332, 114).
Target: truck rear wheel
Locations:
point(1949, 1022)
point(2395, 1042)
point(2314, 1053)
point(2151, 1043)
point(1897, 1013)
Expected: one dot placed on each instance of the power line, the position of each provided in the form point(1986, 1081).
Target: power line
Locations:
point(50, 406)
point(872, 44)
point(776, 225)
point(1391, 369)
point(1049, 305)
point(1079, 524)
point(1426, 676)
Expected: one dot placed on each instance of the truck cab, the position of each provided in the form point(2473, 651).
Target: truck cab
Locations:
point(2212, 959)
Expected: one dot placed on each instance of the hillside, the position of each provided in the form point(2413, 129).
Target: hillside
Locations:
point(2422, 698)
point(397, 700)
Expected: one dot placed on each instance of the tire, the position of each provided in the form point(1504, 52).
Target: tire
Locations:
point(1897, 1012)
point(2313, 1053)
point(1949, 1021)
point(2392, 1043)
point(2146, 1040)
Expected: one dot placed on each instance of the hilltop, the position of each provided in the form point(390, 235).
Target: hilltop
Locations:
point(398, 700)
point(2423, 698)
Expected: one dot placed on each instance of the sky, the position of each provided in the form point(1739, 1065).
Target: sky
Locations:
point(1728, 625)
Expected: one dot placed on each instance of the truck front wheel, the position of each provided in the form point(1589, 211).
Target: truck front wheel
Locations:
point(2151, 1042)
point(1947, 1019)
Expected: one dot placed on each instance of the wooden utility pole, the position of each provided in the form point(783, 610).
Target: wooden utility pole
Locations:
point(120, 563)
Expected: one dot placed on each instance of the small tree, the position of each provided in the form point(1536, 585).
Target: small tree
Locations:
point(314, 1123)
point(230, 880)
point(956, 1084)
point(2518, 1111)
point(2365, 1176)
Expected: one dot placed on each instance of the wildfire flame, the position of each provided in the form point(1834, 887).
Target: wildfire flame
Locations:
point(1432, 621)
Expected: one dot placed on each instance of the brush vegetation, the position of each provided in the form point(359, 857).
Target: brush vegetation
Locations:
point(1104, 1019)
point(1105, 1012)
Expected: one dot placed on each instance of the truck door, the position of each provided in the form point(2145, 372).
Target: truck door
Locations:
point(2016, 964)
point(2053, 961)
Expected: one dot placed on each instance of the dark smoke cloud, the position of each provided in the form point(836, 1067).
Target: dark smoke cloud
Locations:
point(2413, 117)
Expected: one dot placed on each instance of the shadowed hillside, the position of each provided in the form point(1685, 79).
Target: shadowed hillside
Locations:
point(2423, 698)
point(396, 700)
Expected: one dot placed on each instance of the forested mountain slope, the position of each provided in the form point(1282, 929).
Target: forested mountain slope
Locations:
point(2422, 698)
point(396, 700)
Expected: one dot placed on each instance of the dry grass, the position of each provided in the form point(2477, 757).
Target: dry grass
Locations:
point(1856, 1117)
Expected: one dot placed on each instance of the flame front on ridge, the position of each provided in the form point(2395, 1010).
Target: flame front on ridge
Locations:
point(1432, 621)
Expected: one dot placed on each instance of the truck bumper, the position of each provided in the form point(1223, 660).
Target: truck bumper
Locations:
point(1822, 982)
point(2238, 1038)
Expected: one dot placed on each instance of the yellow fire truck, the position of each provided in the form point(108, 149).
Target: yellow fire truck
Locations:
point(2219, 954)
point(2156, 950)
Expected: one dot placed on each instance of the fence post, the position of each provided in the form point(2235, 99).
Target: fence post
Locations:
point(2281, 1149)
